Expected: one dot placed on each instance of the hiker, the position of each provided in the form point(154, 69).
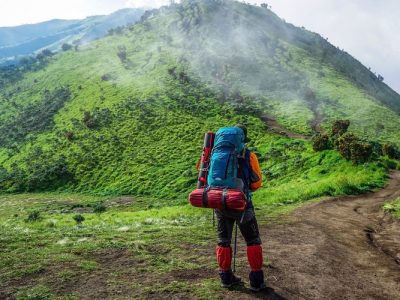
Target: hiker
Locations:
point(250, 180)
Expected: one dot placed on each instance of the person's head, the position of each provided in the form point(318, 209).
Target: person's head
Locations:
point(244, 128)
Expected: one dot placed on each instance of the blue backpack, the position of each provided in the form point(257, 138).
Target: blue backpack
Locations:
point(228, 145)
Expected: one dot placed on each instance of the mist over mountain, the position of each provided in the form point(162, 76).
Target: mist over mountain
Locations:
point(118, 112)
point(27, 39)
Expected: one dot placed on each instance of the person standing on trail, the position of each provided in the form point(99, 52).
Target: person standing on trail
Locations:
point(249, 180)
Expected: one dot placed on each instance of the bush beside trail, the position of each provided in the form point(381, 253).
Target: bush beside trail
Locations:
point(352, 147)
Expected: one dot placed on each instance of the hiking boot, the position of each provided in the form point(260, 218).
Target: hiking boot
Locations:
point(257, 282)
point(228, 279)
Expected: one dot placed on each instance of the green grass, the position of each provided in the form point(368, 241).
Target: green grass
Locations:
point(54, 249)
point(393, 208)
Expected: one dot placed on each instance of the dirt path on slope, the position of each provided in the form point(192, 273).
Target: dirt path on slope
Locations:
point(341, 248)
point(275, 127)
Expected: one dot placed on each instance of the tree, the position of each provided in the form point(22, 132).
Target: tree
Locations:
point(44, 54)
point(47, 52)
point(122, 53)
point(66, 47)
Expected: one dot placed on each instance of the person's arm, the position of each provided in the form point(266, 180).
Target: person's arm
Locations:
point(255, 173)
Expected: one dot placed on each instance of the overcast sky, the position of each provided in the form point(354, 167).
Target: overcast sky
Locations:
point(367, 29)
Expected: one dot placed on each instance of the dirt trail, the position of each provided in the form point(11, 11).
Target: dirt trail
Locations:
point(341, 248)
point(275, 127)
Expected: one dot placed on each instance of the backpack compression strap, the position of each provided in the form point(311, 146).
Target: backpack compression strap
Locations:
point(205, 197)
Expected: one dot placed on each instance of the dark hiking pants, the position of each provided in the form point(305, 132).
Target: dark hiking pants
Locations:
point(247, 225)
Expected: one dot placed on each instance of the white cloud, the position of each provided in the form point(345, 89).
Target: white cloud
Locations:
point(147, 3)
point(19, 12)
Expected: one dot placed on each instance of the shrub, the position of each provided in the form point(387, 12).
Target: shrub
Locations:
point(361, 152)
point(340, 127)
point(183, 77)
point(99, 208)
point(122, 54)
point(88, 120)
point(344, 144)
point(390, 164)
point(33, 216)
point(321, 142)
point(106, 77)
point(390, 151)
point(79, 218)
point(352, 148)
point(69, 135)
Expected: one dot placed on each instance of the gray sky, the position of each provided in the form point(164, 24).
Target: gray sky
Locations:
point(367, 29)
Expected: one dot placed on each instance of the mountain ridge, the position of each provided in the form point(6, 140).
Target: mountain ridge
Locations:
point(29, 38)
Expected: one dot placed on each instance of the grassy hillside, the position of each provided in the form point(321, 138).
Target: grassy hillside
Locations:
point(126, 114)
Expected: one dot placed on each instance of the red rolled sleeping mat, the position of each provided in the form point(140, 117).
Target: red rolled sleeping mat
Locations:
point(218, 198)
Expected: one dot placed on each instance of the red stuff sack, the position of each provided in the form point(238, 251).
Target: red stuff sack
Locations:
point(218, 198)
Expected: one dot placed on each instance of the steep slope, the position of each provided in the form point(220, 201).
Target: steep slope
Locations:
point(294, 74)
point(27, 39)
point(126, 114)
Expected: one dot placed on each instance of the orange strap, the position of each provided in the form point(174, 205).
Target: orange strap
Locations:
point(255, 168)
point(198, 164)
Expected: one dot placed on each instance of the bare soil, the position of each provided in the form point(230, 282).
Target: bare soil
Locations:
point(275, 127)
point(341, 248)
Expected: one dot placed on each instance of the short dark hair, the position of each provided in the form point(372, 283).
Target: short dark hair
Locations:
point(244, 128)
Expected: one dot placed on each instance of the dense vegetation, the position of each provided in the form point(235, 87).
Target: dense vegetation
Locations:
point(352, 147)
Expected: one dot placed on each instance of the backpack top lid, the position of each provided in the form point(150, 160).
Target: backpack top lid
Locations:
point(230, 137)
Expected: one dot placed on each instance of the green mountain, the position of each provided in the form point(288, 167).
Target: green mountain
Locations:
point(27, 39)
point(126, 114)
